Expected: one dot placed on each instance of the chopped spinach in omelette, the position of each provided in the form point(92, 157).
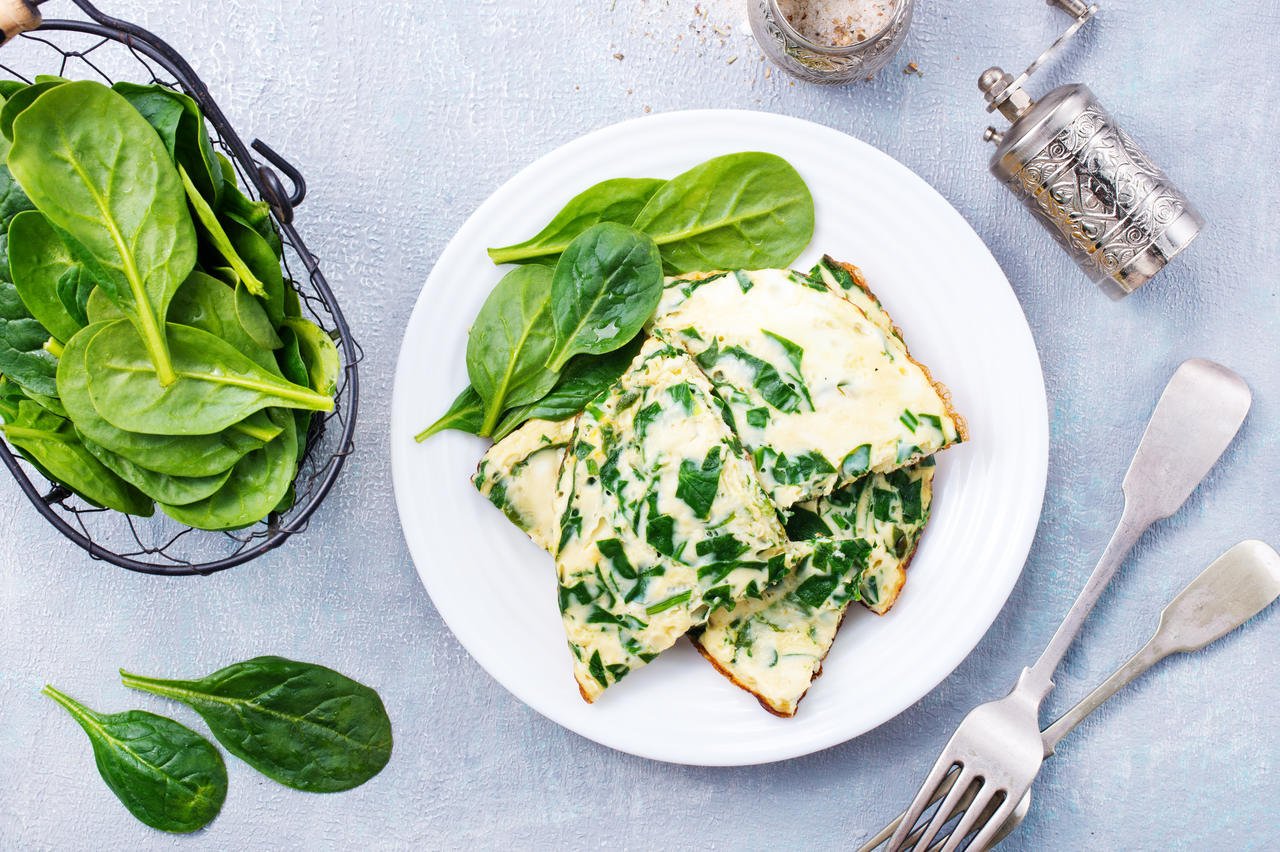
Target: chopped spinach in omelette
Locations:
point(820, 393)
point(887, 508)
point(773, 647)
point(664, 519)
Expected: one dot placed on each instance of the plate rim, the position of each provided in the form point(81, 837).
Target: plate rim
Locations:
point(1020, 544)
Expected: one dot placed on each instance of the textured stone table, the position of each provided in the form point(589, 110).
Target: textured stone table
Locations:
point(404, 120)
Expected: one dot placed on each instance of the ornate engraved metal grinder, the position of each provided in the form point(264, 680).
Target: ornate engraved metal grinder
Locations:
point(1103, 199)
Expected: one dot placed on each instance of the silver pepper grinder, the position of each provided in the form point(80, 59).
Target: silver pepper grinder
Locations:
point(1103, 199)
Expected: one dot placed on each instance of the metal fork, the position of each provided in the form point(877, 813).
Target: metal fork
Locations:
point(1235, 587)
point(998, 749)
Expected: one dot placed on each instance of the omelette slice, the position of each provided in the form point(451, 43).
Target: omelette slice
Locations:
point(518, 475)
point(664, 523)
point(820, 394)
point(773, 647)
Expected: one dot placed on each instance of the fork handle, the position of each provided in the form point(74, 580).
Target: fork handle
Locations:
point(1133, 524)
point(1153, 652)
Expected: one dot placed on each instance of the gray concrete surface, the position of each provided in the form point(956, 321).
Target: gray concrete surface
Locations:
point(404, 117)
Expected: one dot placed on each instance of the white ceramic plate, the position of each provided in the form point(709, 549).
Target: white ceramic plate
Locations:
point(496, 590)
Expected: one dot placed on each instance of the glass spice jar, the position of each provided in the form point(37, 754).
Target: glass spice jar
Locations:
point(815, 62)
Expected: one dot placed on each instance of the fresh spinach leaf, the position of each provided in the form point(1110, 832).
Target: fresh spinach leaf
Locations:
point(175, 455)
point(605, 287)
point(215, 387)
point(48, 403)
point(254, 320)
point(100, 308)
point(38, 260)
point(180, 125)
point(748, 210)
point(99, 173)
point(74, 288)
point(52, 441)
point(319, 353)
point(12, 199)
point(218, 237)
point(510, 343)
point(617, 200)
point(584, 378)
point(206, 303)
point(19, 101)
point(23, 357)
point(301, 724)
point(166, 774)
point(161, 487)
point(256, 214)
point(294, 368)
point(466, 414)
point(257, 484)
point(264, 261)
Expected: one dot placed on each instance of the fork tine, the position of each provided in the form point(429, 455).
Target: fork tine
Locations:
point(884, 833)
point(948, 807)
point(972, 814)
point(989, 831)
point(946, 787)
point(921, 802)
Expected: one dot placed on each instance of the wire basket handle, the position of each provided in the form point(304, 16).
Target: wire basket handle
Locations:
point(17, 17)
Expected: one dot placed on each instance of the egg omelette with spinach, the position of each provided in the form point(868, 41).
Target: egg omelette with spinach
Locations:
point(765, 462)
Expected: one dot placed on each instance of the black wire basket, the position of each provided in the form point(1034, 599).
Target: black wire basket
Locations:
point(107, 49)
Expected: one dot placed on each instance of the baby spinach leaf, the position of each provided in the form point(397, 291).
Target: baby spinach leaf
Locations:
point(166, 774)
point(259, 256)
point(217, 235)
point(255, 214)
point(161, 487)
point(617, 200)
point(180, 125)
point(100, 308)
point(19, 101)
point(605, 287)
point(23, 357)
point(38, 260)
point(175, 455)
point(206, 303)
point(74, 288)
point(48, 403)
point(101, 176)
point(584, 378)
point(12, 199)
point(10, 396)
point(466, 414)
point(293, 368)
point(215, 385)
point(254, 320)
point(510, 342)
point(257, 484)
point(319, 353)
point(52, 441)
point(301, 724)
point(748, 210)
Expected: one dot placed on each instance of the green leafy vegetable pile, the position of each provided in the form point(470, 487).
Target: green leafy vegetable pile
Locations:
point(564, 325)
point(151, 350)
point(303, 725)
